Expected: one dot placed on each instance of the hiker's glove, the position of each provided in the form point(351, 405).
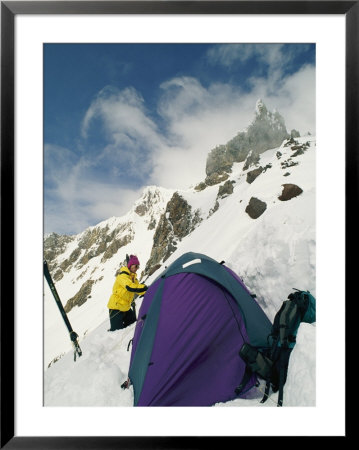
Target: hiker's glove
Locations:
point(125, 385)
point(73, 336)
point(145, 289)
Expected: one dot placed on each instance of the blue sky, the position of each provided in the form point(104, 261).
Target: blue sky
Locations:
point(119, 117)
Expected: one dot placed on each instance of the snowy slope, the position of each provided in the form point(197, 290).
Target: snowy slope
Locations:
point(94, 311)
point(272, 254)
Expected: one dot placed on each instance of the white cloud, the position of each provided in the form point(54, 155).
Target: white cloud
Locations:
point(123, 116)
point(297, 100)
point(294, 98)
point(74, 198)
point(78, 202)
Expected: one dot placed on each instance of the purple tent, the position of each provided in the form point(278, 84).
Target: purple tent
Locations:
point(192, 323)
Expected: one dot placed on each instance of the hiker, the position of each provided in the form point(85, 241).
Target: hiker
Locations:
point(123, 293)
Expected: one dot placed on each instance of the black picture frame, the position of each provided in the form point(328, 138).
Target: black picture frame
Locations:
point(9, 9)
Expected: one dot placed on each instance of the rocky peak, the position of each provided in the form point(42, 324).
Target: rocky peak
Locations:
point(54, 245)
point(261, 108)
point(175, 223)
point(266, 131)
point(150, 196)
point(151, 204)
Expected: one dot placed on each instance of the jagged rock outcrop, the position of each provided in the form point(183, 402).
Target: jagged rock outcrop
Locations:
point(100, 240)
point(115, 245)
point(294, 134)
point(211, 180)
point(253, 174)
point(148, 205)
point(67, 263)
point(54, 245)
point(225, 189)
point(177, 222)
point(298, 148)
point(267, 131)
point(81, 297)
point(219, 160)
point(290, 191)
point(93, 242)
point(252, 159)
point(255, 208)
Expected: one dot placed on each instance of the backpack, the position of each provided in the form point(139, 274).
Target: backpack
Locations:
point(271, 364)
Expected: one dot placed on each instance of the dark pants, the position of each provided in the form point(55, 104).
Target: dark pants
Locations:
point(121, 319)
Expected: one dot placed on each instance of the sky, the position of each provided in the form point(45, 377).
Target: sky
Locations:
point(120, 117)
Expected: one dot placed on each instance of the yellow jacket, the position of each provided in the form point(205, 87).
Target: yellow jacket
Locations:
point(124, 290)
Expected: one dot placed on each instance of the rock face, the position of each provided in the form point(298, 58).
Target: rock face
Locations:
point(251, 160)
point(253, 174)
point(255, 208)
point(219, 160)
point(81, 297)
point(267, 131)
point(211, 180)
point(145, 207)
point(290, 191)
point(225, 189)
point(176, 223)
point(93, 242)
point(54, 245)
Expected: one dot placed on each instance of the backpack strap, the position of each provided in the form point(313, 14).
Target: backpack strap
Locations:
point(283, 370)
point(266, 392)
point(246, 377)
point(256, 363)
point(273, 357)
point(287, 321)
point(283, 336)
point(281, 387)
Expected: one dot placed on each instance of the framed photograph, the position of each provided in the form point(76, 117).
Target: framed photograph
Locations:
point(40, 39)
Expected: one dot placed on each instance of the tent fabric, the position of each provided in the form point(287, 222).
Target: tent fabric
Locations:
point(192, 323)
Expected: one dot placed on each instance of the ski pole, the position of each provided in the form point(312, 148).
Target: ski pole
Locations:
point(73, 336)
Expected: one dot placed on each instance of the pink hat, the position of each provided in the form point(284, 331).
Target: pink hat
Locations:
point(133, 261)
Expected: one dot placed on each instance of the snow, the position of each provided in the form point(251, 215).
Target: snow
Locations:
point(106, 359)
point(272, 254)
